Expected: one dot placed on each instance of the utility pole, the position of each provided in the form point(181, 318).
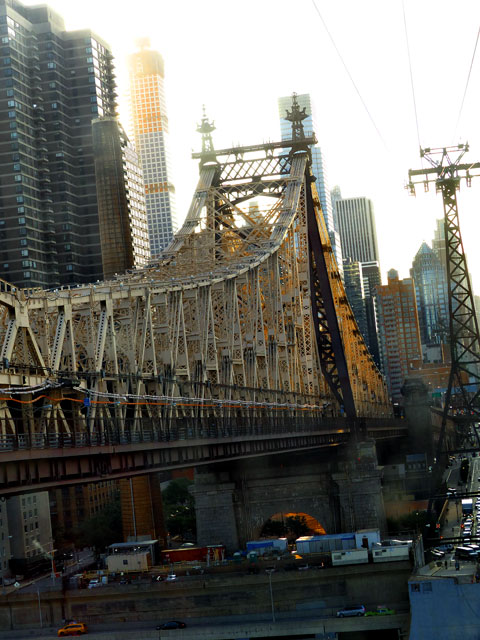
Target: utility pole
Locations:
point(446, 171)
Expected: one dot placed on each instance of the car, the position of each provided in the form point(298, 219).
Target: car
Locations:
point(270, 570)
point(381, 611)
point(437, 553)
point(171, 624)
point(72, 629)
point(94, 583)
point(351, 610)
point(447, 548)
point(171, 577)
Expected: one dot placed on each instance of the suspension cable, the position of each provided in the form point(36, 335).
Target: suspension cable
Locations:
point(349, 74)
point(466, 86)
point(411, 76)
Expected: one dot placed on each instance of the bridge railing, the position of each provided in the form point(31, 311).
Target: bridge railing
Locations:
point(155, 430)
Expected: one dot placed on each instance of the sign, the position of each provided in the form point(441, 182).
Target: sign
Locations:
point(86, 402)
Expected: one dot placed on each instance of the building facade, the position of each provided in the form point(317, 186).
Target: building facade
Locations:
point(121, 199)
point(52, 84)
point(70, 506)
point(399, 331)
point(356, 226)
point(353, 281)
point(150, 131)
point(30, 531)
point(431, 293)
point(318, 164)
point(4, 542)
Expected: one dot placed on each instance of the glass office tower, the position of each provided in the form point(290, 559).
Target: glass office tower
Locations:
point(52, 84)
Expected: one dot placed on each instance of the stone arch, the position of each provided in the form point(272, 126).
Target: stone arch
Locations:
point(315, 527)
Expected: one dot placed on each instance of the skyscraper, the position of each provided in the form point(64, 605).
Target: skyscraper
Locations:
point(151, 136)
point(399, 330)
point(318, 164)
point(52, 84)
point(432, 296)
point(356, 226)
point(352, 272)
point(121, 199)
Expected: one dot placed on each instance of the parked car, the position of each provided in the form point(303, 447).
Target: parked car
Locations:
point(351, 610)
point(381, 611)
point(171, 624)
point(171, 577)
point(95, 582)
point(72, 629)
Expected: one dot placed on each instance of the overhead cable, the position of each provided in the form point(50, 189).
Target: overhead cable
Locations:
point(466, 86)
point(349, 74)
point(411, 76)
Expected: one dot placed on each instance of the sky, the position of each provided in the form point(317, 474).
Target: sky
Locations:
point(237, 58)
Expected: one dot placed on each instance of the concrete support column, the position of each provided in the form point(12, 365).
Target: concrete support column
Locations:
point(360, 496)
point(214, 510)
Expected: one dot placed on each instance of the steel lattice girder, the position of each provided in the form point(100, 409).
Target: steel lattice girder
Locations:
point(226, 314)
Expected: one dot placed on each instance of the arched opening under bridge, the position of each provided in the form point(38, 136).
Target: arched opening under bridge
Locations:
point(292, 525)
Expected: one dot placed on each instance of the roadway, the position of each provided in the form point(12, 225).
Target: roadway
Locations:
point(230, 628)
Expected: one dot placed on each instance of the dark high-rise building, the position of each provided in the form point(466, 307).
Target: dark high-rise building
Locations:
point(352, 273)
point(121, 199)
point(52, 84)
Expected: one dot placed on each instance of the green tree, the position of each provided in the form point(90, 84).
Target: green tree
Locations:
point(273, 528)
point(179, 508)
point(297, 526)
point(103, 529)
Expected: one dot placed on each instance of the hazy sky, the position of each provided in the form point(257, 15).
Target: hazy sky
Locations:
point(238, 57)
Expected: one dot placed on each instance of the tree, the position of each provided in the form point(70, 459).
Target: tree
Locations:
point(102, 530)
point(179, 508)
point(297, 526)
point(273, 528)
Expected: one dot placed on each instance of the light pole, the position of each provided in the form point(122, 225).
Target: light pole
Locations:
point(271, 594)
point(40, 609)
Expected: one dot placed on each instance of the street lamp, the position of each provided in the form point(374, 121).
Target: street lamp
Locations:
point(271, 594)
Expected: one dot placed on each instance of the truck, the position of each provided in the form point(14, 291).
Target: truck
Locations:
point(467, 506)
point(321, 544)
point(213, 553)
point(274, 545)
point(352, 556)
point(391, 553)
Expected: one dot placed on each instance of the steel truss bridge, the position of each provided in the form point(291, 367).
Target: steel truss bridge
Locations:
point(238, 339)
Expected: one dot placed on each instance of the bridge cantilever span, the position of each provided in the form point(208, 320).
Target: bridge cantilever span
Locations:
point(245, 312)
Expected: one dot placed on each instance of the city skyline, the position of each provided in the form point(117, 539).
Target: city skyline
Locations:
point(371, 39)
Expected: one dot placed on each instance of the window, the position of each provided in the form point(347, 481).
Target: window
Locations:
point(51, 65)
point(27, 275)
point(24, 253)
point(21, 220)
point(54, 105)
point(69, 267)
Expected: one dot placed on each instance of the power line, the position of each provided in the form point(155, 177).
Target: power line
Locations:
point(349, 74)
point(466, 86)
point(411, 76)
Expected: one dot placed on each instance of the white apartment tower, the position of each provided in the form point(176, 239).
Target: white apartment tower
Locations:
point(150, 134)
